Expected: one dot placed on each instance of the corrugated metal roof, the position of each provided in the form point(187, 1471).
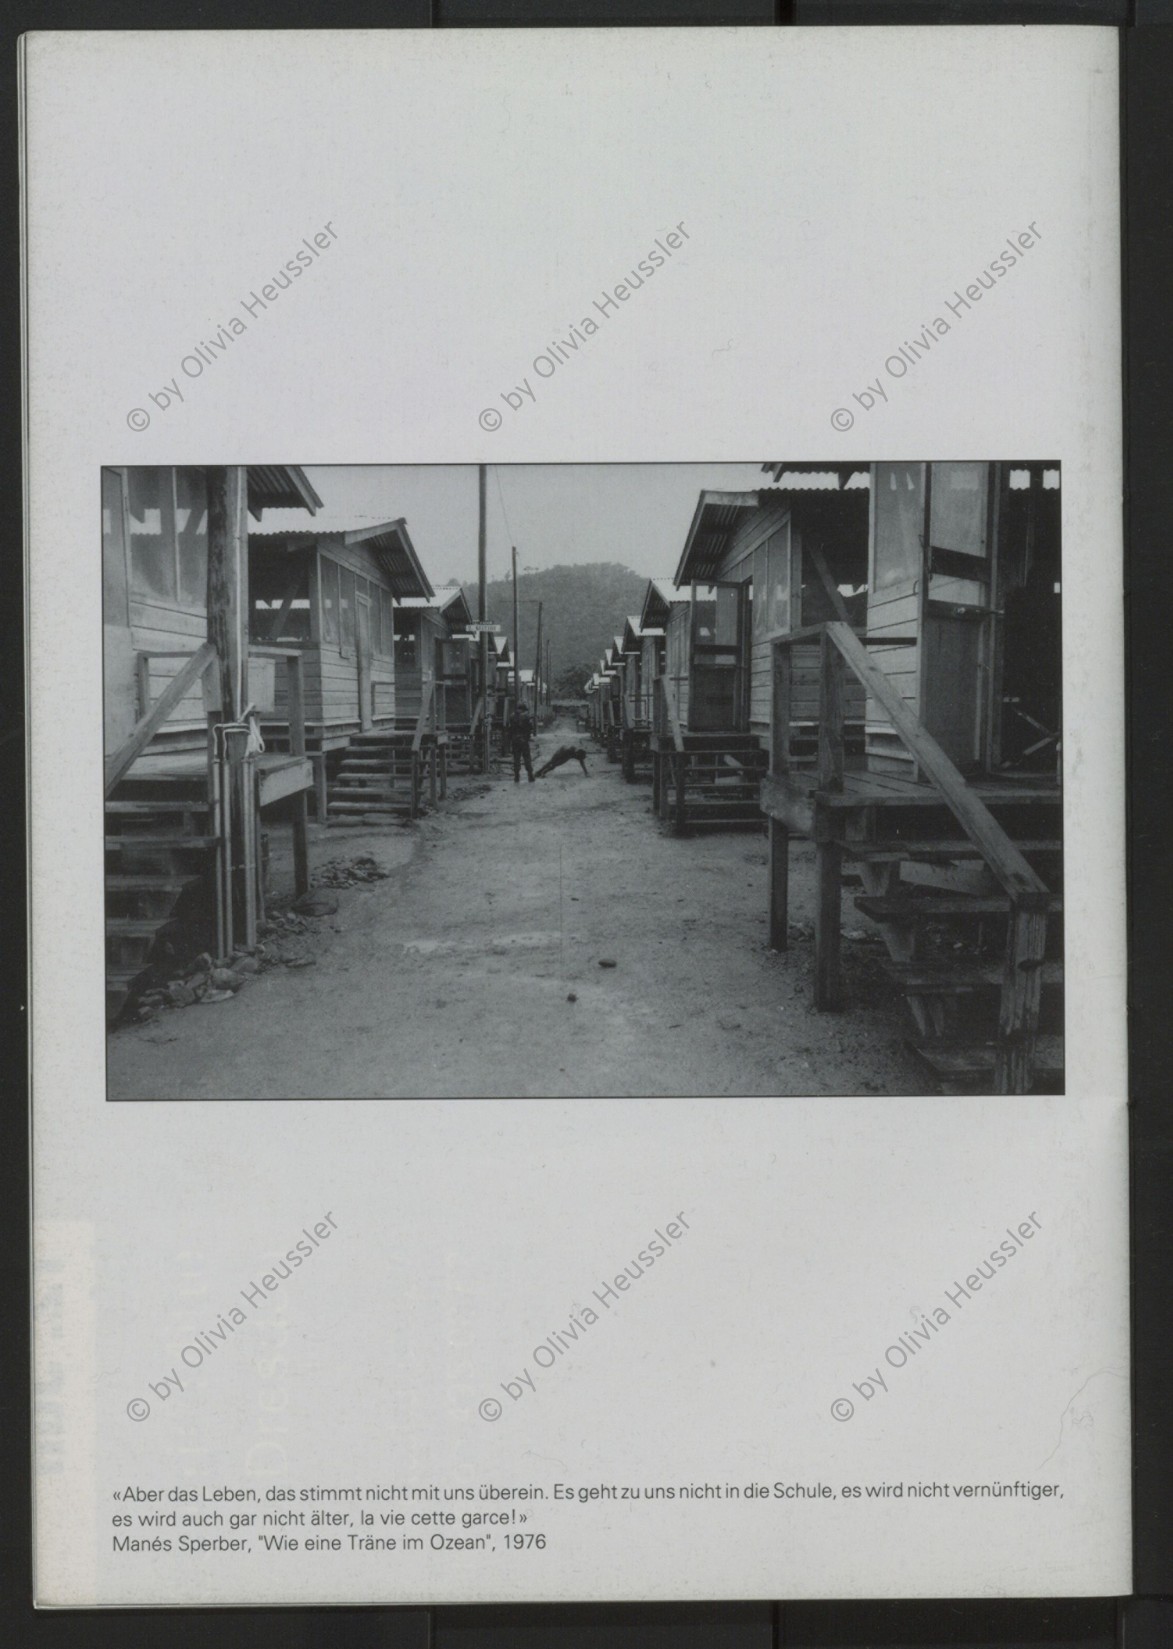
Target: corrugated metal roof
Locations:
point(659, 601)
point(389, 540)
point(452, 604)
point(716, 518)
point(818, 477)
point(281, 489)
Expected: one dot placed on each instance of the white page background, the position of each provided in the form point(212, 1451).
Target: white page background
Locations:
point(836, 186)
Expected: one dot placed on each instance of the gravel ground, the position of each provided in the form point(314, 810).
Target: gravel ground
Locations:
point(543, 939)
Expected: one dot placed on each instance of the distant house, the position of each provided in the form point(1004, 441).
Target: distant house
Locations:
point(331, 587)
point(769, 563)
point(433, 647)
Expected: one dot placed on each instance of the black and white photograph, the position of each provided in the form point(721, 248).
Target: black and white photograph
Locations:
point(583, 780)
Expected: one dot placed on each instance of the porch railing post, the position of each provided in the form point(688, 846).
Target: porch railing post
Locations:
point(828, 849)
point(779, 832)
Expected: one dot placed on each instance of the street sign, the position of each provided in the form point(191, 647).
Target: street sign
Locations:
point(479, 626)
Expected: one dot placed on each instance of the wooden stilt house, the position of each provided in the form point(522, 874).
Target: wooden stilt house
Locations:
point(950, 814)
point(436, 664)
point(639, 652)
point(187, 782)
point(331, 589)
point(757, 565)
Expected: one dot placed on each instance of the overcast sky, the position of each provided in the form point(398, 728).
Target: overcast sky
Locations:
point(556, 514)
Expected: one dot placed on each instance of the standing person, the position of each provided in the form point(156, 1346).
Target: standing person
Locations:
point(520, 730)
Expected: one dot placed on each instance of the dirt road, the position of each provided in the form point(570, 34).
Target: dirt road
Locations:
point(474, 968)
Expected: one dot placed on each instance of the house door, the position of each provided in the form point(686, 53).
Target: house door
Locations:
point(362, 653)
point(953, 679)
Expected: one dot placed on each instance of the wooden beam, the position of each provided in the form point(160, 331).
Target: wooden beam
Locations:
point(1018, 1019)
point(1012, 870)
point(298, 817)
point(780, 712)
point(277, 619)
point(228, 580)
point(819, 563)
point(831, 696)
point(144, 729)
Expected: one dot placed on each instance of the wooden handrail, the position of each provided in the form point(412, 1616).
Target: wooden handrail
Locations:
point(149, 723)
point(1014, 873)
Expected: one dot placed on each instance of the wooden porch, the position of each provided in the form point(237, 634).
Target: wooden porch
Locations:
point(961, 877)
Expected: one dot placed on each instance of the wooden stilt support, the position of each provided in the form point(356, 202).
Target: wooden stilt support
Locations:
point(779, 885)
point(829, 867)
point(321, 789)
point(680, 815)
point(298, 815)
point(779, 834)
point(1018, 1021)
point(828, 851)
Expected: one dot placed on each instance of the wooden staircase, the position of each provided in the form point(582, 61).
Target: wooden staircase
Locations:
point(950, 946)
point(713, 782)
point(378, 775)
point(963, 877)
point(159, 880)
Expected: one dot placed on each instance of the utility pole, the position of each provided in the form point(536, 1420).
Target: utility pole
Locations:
point(483, 615)
point(538, 666)
point(516, 664)
point(549, 677)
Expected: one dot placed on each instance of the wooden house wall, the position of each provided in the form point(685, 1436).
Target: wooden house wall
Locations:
point(651, 661)
point(332, 668)
point(677, 654)
point(458, 666)
point(894, 609)
point(774, 531)
point(138, 619)
point(410, 678)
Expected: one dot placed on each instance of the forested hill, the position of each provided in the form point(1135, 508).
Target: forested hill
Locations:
point(583, 609)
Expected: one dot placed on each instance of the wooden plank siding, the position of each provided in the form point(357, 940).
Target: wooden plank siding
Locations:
point(895, 612)
point(332, 689)
point(746, 547)
point(677, 651)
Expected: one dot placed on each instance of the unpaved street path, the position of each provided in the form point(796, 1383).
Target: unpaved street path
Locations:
point(454, 976)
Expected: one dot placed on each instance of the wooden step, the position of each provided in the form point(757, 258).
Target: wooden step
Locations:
point(141, 807)
point(958, 978)
point(381, 806)
point(136, 927)
point(896, 908)
point(939, 848)
point(957, 1062)
point(133, 882)
point(116, 844)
